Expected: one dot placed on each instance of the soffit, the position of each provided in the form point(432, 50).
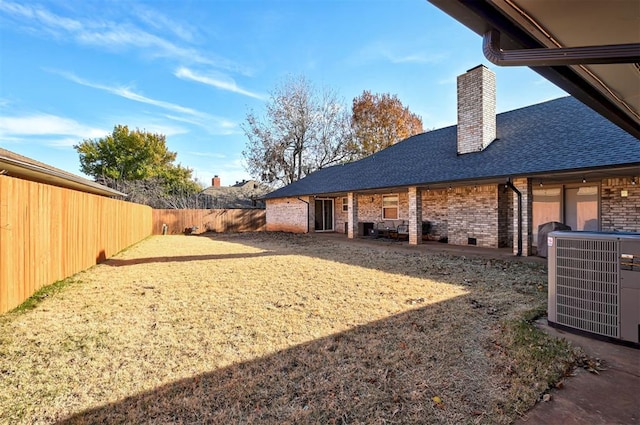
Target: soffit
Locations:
point(587, 23)
point(568, 23)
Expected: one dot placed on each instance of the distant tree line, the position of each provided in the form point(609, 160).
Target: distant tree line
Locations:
point(302, 130)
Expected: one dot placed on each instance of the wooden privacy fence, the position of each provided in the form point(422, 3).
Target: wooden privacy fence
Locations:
point(218, 220)
point(48, 233)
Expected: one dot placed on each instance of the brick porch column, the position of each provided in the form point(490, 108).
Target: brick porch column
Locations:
point(352, 215)
point(524, 186)
point(415, 216)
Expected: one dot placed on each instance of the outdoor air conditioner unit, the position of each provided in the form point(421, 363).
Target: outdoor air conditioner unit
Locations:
point(594, 284)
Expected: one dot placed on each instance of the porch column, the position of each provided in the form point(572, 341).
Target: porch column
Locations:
point(524, 186)
point(415, 216)
point(352, 215)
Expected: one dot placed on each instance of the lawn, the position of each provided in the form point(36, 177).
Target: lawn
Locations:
point(276, 328)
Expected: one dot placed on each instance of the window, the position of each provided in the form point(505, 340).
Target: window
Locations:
point(575, 206)
point(390, 207)
point(345, 204)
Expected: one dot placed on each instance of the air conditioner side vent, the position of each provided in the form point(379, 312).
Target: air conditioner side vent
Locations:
point(587, 285)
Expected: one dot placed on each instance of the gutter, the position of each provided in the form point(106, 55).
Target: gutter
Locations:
point(609, 54)
point(54, 177)
point(480, 16)
point(512, 187)
point(300, 199)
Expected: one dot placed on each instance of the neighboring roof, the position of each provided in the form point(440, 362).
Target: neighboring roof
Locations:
point(555, 136)
point(247, 183)
point(243, 194)
point(29, 169)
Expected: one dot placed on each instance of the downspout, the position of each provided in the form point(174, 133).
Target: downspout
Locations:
point(512, 187)
point(300, 199)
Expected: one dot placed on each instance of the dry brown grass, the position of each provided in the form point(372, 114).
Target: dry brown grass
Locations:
point(279, 328)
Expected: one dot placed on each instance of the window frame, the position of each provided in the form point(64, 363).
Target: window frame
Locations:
point(345, 204)
point(390, 207)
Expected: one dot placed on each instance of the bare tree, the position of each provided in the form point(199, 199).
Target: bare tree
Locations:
point(303, 130)
point(153, 192)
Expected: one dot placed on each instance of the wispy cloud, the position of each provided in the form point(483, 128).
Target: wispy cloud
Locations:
point(161, 22)
point(211, 123)
point(219, 82)
point(396, 53)
point(421, 57)
point(46, 124)
point(114, 35)
point(208, 154)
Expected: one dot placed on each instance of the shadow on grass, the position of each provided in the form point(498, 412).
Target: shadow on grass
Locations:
point(445, 263)
point(116, 262)
point(387, 371)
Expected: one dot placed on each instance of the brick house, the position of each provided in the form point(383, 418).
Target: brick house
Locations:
point(489, 181)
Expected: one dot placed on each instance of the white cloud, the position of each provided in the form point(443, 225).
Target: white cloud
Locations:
point(211, 123)
point(397, 53)
point(112, 35)
point(208, 154)
point(161, 22)
point(219, 82)
point(421, 57)
point(46, 125)
point(217, 125)
point(152, 125)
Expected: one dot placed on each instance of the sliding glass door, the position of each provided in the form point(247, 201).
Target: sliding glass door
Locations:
point(324, 215)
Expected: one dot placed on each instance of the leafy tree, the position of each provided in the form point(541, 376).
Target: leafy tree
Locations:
point(303, 130)
point(380, 121)
point(126, 156)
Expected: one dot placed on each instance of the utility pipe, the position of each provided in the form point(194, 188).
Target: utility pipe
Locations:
point(512, 187)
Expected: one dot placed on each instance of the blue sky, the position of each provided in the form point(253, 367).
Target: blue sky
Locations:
point(72, 70)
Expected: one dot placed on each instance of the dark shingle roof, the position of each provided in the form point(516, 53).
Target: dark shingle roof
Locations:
point(558, 135)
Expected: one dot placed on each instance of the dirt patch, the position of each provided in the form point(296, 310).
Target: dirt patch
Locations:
point(277, 328)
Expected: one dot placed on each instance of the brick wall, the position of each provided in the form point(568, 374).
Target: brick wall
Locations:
point(415, 215)
point(341, 217)
point(289, 215)
point(505, 217)
point(434, 210)
point(370, 207)
point(473, 213)
point(618, 212)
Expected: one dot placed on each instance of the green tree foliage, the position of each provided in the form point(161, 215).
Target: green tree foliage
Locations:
point(379, 121)
point(303, 130)
point(125, 156)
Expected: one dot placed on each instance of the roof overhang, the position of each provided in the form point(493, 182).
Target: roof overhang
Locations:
point(604, 36)
point(570, 176)
point(16, 168)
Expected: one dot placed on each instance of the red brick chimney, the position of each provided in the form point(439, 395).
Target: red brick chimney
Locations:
point(476, 109)
point(215, 181)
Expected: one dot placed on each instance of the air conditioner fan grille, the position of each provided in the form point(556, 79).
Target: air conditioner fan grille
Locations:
point(587, 285)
